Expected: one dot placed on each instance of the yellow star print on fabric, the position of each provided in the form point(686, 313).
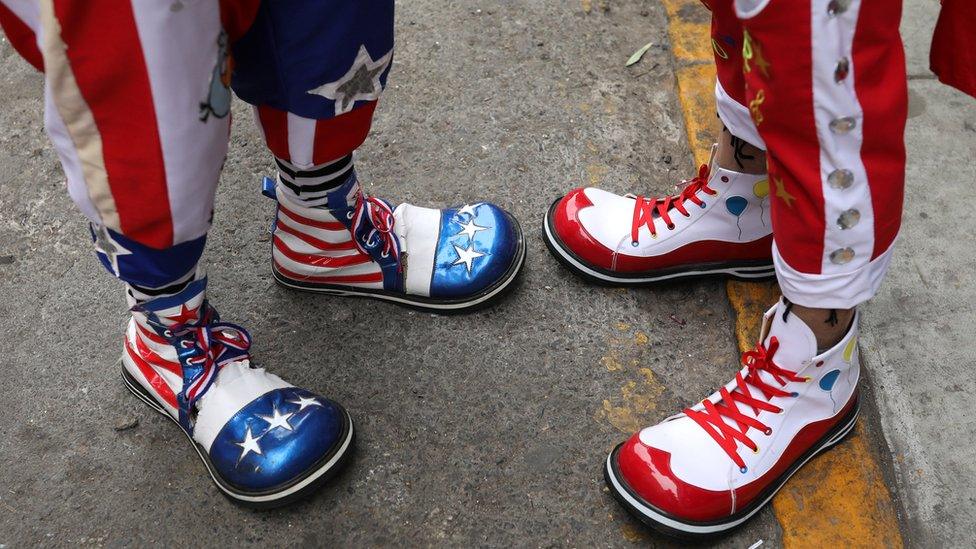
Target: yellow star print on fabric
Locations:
point(752, 51)
point(782, 193)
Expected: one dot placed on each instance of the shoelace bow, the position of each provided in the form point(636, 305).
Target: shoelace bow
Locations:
point(380, 216)
point(711, 419)
point(203, 348)
point(644, 208)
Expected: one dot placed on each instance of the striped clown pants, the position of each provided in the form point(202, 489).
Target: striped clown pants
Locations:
point(821, 86)
point(137, 104)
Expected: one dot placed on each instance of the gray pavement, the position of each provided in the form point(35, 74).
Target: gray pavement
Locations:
point(479, 430)
point(919, 333)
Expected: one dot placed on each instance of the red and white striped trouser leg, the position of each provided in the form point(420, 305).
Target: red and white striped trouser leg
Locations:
point(312, 154)
point(730, 86)
point(138, 114)
point(825, 85)
point(124, 110)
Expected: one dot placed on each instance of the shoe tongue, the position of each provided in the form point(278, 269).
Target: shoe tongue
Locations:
point(344, 196)
point(797, 343)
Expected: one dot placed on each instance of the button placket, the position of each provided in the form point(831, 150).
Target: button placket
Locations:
point(842, 178)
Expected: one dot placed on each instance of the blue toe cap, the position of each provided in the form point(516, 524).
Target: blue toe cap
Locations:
point(478, 245)
point(276, 439)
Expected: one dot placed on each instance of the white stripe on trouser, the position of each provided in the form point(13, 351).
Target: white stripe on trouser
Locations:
point(832, 100)
point(68, 155)
point(840, 284)
point(736, 117)
point(181, 55)
point(301, 141)
point(71, 124)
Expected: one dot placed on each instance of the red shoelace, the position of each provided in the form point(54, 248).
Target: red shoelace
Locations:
point(380, 216)
point(644, 208)
point(711, 419)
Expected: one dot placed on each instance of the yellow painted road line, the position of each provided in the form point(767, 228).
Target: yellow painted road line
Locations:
point(839, 499)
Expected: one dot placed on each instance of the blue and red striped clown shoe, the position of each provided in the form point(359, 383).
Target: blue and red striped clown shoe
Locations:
point(448, 260)
point(264, 441)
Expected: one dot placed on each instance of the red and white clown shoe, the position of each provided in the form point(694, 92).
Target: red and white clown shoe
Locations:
point(710, 468)
point(717, 225)
point(264, 441)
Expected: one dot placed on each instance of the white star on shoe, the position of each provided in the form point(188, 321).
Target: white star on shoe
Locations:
point(302, 402)
point(466, 256)
point(470, 229)
point(360, 83)
point(249, 444)
point(278, 420)
point(469, 209)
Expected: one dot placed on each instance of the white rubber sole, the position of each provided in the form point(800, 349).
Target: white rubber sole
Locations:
point(264, 500)
point(752, 272)
point(415, 301)
point(671, 525)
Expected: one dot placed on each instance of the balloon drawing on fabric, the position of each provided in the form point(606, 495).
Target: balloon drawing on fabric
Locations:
point(736, 205)
point(761, 190)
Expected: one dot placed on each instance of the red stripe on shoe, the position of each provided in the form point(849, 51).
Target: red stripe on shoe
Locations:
point(338, 279)
point(151, 336)
point(647, 471)
point(314, 260)
point(106, 57)
point(327, 225)
point(275, 125)
point(320, 244)
point(151, 357)
point(574, 236)
point(880, 84)
point(339, 136)
point(155, 380)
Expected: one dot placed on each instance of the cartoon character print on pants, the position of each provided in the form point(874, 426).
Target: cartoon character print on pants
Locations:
point(218, 96)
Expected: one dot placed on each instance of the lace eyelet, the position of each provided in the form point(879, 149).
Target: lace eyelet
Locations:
point(634, 243)
point(349, 214)
point(756, 451)
point(671, 227)
point(768, 431)
point(725, 179)
point(385, 254)
point(167, 333)
point(819, 363)
point(702, 205)
point(687, 215)
point(794, 394)
point(743, 469)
